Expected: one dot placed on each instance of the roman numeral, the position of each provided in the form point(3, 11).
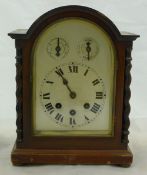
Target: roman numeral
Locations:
point(72, 121)
point(49, 107)
point(95, 82)
point(86, 72)
point(73, 69)
point(59, 72)
point(46, 96)
point(59, 117)
point(99, 95)
point(95, 108)
point(51, 82)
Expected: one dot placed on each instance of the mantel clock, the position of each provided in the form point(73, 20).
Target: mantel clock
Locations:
point(73, 77)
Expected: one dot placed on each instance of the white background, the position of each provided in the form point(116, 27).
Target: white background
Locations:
point(127, 15)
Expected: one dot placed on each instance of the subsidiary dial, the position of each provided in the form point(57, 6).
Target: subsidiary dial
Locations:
point(72, 95)
point(88, 49)
point(57, 48)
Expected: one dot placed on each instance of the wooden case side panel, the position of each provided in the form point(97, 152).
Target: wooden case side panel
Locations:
point(19, 91)
point(127, 94)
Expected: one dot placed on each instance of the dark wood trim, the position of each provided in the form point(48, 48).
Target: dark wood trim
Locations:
point(73, 11)
point(19, 92)
point(127, 94)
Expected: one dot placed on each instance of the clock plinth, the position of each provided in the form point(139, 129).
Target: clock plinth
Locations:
point(73, 90)
point(43, 156)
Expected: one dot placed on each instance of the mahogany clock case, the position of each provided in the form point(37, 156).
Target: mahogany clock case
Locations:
point(30, 149)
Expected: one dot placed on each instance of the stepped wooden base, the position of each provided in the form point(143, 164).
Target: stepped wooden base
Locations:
point(38, 156)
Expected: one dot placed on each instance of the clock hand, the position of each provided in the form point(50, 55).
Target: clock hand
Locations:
point(72, 94)
point(58, 48)
point(88, 49)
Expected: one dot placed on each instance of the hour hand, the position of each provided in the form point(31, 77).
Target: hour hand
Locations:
point(72, 94)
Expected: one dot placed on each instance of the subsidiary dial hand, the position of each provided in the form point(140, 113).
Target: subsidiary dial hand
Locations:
point(58, 48)
point(88, 49)
point(72, 94)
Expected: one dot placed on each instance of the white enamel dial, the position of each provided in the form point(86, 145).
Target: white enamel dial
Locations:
point(72, 94)
point(73, 79)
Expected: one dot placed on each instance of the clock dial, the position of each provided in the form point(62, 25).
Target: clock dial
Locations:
point(88, 49)
point(72, 107)
point(57, 48)
point(73, 88)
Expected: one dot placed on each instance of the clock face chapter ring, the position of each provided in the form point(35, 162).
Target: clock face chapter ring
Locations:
point(79, 91)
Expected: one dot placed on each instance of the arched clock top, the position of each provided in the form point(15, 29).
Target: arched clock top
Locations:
point(73, 11)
